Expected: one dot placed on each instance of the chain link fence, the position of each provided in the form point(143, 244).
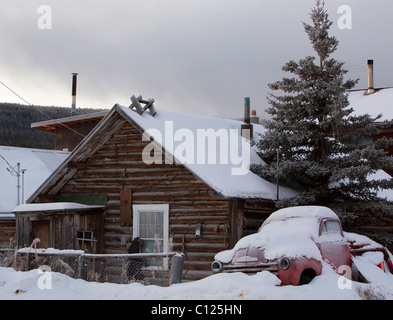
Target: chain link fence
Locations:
point(161, 269)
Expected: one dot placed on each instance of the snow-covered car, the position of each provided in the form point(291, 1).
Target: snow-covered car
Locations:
point(293, 242)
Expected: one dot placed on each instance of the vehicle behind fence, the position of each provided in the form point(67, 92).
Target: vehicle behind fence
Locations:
point(161, 269)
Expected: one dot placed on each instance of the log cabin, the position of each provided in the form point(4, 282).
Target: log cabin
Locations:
point(102, 195)
point(176, 179)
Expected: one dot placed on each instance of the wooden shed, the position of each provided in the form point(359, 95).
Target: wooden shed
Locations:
point(61, 225)
point(70, 131)
point(7, 230)
point(134, 175)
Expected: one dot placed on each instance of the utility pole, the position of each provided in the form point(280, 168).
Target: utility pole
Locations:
point(18, 183)
point(17, 173)
point(23, 185)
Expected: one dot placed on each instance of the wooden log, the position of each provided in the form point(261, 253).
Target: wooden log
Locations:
point(125, 207)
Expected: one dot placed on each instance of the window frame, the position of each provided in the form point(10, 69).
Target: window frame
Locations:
point(138, 208)
point(323, 221)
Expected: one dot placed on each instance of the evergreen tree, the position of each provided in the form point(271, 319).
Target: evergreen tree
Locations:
point(317, 137)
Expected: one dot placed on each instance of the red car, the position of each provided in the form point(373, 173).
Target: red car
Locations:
point(293, 243)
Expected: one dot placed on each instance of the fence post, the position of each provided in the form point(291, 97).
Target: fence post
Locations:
point(82, 267)
point(176, 268)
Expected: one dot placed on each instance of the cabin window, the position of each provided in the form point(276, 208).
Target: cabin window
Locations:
point(364, 141)
point(151, 225)
point(86, 241)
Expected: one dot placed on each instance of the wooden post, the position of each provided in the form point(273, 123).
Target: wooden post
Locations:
point(82, 267)
point(176, 268)
point(126, 207)
point(237, 223)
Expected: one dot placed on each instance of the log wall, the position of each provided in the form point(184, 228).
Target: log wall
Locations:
point(255, 212)
point(7, 232)
point(117, 166)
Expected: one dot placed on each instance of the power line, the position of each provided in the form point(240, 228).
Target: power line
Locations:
point(16, 93)
point(8, 164)
point(46, 115)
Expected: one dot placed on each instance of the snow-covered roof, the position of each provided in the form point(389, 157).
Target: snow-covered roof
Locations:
point(51, 125)
point(39, 164)
point(55, 206)
point(176, 131)
point(218, 174)
point(380, 102)
point(7, 216)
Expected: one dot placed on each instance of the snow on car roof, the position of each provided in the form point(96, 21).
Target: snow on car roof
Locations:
point(301, 212)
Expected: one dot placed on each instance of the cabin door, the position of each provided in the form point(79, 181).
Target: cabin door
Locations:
point(41, 230)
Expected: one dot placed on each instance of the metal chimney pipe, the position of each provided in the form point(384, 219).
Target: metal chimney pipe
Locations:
point(370, 64)
point(247, 110)
point(247, 127)
point(254, 117)
point(74, 85)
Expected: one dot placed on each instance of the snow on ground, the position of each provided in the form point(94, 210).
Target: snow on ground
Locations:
point(262, 286)
point(36, 285)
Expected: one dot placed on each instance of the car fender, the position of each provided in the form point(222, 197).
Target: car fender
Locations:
point(292, 275)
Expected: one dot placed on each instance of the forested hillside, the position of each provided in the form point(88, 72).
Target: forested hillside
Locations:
point(16, 120)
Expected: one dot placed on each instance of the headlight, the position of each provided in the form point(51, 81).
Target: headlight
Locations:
point(284, 263)
point(217, 267)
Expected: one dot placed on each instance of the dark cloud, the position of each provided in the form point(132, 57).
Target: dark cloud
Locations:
point(190, 55)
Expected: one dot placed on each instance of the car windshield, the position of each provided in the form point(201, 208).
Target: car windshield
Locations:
point(330, 226)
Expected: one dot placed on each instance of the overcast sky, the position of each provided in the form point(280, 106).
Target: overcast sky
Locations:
point(200, 56)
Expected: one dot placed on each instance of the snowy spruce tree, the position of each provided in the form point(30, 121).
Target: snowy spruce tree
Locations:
point(317, 137)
